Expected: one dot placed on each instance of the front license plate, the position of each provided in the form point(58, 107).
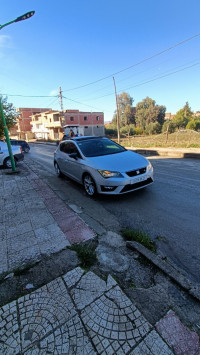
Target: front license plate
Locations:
point(139, 179)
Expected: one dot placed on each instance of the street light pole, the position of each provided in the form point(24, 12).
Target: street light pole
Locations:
point(20, 18)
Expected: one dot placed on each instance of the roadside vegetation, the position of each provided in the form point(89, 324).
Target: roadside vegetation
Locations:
point(140, 237)
point(179, 139)
point(148, 125)
point(86, 254)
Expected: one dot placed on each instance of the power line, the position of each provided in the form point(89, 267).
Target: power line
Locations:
point(148, 81)
point(136, 64)
point(77, 102)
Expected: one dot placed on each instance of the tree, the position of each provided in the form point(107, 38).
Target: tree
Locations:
point(187, 111)
point(168, 126)
point(180, 120)
point(126, 110)
point(147, 114)
point(10, 115)
point(183, 116)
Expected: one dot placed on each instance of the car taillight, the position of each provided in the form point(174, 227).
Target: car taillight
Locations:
point(21, 148)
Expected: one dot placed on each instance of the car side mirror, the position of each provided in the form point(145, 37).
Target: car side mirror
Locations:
point(73, 155)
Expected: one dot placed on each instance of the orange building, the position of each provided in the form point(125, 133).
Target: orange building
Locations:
point(24, 128)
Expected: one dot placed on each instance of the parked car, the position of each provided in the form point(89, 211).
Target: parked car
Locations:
point(102, 165)
point(4, 154)
point(25, 146)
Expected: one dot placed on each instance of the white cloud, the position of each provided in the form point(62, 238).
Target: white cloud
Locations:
point(5, 41)
point(53, 93)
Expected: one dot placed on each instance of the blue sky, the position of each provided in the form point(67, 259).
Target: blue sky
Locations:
point(71, 44)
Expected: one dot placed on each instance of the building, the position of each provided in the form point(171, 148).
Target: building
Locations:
point(168, 116)
point(23, 125)
point(53, 124)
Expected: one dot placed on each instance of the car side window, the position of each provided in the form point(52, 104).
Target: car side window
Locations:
point(68, 148)
point(64, 147)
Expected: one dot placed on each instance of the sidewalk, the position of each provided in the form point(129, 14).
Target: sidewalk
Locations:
point(77, 312)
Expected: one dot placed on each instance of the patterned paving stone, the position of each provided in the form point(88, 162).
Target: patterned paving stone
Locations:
point(69, 339)
point(181, 339)
point(9, 330)
point(114, 323)
point(72, 277)
point(89, 288)
point(44, 310)
point(152, 345)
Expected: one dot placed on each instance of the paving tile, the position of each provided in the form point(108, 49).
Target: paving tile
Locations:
point(18, 229)
point(48, 232)
point(43, 311)
point(41, 220)
point(71, 338)
point(72, 277)
point(54, 245)
point(111, 323)
point(24, 257)
point(88, 288)
point(3, 256)
point(181, 339)
point(21, 242)
point(152, 344)
point(9, 330)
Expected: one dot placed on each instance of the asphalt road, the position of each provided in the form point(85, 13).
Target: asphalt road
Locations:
point(168, 210)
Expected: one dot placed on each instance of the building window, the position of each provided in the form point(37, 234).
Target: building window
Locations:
point(85, 118)
point(56, 118)
point(71, 118)
point(97, 118)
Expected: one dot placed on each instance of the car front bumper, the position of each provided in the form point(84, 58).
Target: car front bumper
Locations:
point(114, 186)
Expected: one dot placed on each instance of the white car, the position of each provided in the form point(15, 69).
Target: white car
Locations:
point(4, 154)
point(102, 165)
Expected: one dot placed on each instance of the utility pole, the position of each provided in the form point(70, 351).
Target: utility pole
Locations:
point(61, 100)
point(118, 131)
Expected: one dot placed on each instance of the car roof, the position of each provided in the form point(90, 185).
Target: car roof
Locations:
point(83, 138)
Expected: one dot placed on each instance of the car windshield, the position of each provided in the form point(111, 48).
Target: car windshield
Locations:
point(99, 146)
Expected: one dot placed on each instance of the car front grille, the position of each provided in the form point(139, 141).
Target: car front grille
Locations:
point(132, 187)
point(136, 172)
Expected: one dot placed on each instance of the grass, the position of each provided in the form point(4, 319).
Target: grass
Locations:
point(140, 237)
point(179, 139)
point(86, 254)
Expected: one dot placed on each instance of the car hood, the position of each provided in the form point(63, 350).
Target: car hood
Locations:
point(124, 161)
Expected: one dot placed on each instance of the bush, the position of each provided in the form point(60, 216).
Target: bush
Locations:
point(140, 237)
point(86, 254)
point(111, 132)
point(138, 131)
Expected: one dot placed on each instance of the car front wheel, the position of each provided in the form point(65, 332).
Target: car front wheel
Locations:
point(89, 185)
point(57, 170)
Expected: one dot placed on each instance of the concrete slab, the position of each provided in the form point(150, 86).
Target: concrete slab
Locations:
point(181, 339)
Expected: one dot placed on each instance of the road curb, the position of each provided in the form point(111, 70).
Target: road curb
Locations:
point(166, 152)
point(168, 269)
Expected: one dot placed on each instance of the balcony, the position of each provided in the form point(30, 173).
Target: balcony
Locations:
point(54, 124)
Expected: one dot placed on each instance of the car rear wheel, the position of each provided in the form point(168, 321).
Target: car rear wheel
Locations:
point(57, 170)
point(7, 163)
point(89, 185)
point(26, 150)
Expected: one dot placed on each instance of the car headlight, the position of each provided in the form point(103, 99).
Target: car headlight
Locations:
point(108, 174)
point(149, 167)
